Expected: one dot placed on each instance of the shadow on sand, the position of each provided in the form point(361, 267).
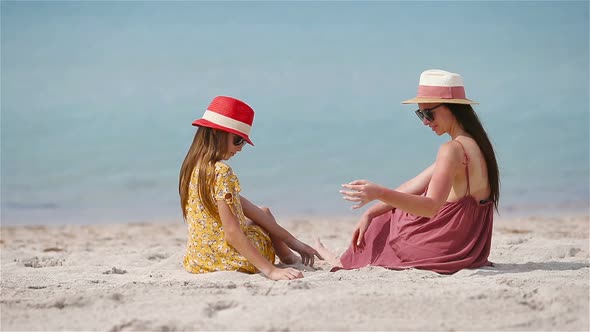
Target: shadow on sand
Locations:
point(501, 268)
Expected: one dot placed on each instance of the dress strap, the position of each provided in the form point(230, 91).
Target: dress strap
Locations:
point(466, 163)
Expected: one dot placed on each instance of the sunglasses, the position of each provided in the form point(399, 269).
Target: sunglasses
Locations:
point(238, 140)
point(427, 113)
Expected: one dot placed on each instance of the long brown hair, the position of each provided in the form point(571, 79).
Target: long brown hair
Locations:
point(470, 122)
point(209, 146)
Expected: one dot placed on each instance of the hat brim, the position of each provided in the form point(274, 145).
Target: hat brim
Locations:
point(425, 100)
point(206, 123)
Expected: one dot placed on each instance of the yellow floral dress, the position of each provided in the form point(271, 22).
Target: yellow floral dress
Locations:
point(207, 250)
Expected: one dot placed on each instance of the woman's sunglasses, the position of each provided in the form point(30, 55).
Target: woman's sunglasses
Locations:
point(427, 113)
point(238, 140)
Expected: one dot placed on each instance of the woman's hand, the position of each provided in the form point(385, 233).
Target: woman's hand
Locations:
point(284, 274)
point(358, 236)
point(361, 191)
point(306, 252)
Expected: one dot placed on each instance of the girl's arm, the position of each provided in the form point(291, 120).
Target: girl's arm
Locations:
point(237, 239)
point(448, 162)
point(415, 186)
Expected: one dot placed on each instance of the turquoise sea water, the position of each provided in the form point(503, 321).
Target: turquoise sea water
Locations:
point(97, 101)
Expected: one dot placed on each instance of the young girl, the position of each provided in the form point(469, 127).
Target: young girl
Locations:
point(220, 237)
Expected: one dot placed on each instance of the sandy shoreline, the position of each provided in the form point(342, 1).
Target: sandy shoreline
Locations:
point(129, 277)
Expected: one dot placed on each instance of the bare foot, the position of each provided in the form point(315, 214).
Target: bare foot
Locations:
point(328, 255)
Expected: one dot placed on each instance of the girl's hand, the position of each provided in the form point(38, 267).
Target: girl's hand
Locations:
point(306, 252)
point(358, 236)
point(361, 191)
point(284, 274)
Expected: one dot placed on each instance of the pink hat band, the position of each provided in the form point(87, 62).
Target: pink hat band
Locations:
point(440, 86)
point(446, 92)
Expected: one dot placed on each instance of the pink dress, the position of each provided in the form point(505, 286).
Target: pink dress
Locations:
point(459, 236)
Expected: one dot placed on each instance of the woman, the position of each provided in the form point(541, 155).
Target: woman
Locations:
point(441, 220)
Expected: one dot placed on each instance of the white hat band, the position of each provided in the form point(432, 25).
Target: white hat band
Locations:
point(227, 122)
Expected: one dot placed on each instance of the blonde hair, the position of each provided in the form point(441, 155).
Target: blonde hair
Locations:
point(209, 146)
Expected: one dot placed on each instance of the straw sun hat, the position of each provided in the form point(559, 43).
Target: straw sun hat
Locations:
point(228, 114)
point(439, 86)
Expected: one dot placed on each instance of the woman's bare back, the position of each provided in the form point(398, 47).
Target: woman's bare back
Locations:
point(479, 186)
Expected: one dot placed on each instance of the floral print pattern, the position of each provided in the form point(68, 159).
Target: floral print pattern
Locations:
point(207, 250)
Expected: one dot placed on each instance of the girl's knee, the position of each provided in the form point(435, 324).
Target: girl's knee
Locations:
point(265, 209)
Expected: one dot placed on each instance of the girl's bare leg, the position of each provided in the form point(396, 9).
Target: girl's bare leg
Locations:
point(285, 254)
point(328, 255)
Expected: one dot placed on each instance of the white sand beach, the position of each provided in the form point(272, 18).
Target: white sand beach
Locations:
point(129, 277)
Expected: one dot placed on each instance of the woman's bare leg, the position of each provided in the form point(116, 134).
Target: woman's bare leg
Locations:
point(328, 255)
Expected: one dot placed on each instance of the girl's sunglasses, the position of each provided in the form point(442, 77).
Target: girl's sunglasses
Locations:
point(238, 140)
point(427, 113)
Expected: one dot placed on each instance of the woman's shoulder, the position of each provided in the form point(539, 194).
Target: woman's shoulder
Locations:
point(466, 141)
point(451, 149)
point(468, 146)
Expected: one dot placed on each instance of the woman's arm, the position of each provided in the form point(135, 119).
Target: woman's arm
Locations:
point(448, 162)
point(237, 239)
point(415, 186)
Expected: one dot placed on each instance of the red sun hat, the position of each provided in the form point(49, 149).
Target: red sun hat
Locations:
point(228, 114)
